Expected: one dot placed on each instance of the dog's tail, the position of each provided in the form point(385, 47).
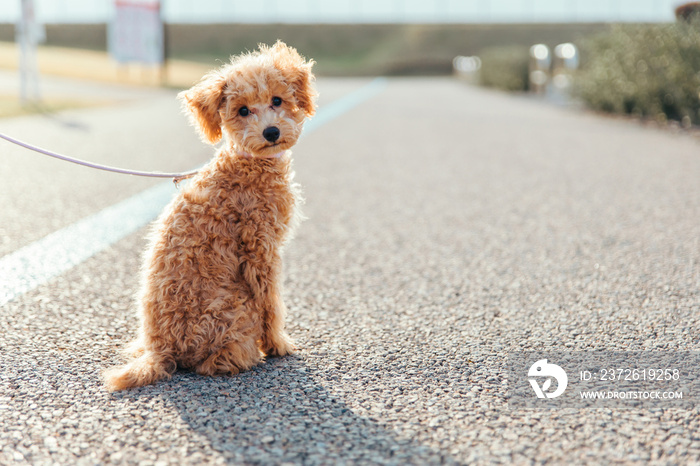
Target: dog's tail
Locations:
point(144, 370)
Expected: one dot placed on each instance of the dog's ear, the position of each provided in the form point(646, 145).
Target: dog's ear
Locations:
point(297, 72)
point(202, 102)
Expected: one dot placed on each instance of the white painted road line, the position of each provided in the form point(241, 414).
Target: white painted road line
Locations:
point(34, 265)
point(58, 252)
point(344, 104)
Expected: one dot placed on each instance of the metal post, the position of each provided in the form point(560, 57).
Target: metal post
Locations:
point(28, 35)
point(166, 50)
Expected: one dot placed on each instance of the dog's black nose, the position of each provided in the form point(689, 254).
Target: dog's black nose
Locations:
point(271, 133)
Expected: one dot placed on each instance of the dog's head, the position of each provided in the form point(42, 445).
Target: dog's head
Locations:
point(259, 100)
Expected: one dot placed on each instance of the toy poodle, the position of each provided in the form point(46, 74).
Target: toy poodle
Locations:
point(211, 288)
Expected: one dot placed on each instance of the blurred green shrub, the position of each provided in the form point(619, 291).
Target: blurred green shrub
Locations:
point(505, 67)
point(644, 70)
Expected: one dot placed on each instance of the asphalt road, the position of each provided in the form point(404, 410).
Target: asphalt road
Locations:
point(448, 227)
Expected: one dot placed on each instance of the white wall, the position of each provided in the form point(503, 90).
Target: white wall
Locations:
point(372, 11)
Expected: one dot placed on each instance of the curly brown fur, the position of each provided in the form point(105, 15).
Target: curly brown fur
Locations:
point(211, 293)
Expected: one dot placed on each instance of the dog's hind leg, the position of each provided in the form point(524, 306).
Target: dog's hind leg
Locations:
point(232, 358)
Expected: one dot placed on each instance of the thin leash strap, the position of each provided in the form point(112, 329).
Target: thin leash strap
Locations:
point(177, 177)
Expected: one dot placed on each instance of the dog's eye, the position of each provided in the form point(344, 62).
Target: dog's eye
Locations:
point(276, 101)
point(243, 111)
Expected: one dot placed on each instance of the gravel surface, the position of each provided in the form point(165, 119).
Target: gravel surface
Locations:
point(447, 227)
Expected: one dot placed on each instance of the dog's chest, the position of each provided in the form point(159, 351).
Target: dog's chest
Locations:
point(242, 211)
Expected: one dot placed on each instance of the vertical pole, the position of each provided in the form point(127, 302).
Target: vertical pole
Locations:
point(27, 36)
point(166, 47)
point(34, 36)
point(21, 38)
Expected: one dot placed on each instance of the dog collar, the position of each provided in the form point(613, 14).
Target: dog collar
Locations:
point(247, 155)
point(275, 156)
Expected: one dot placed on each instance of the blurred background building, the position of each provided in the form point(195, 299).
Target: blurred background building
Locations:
point(361, 11)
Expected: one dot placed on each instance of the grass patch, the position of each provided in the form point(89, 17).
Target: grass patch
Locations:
point(505, 68)
point(10, 106)
point(339, 49)
point(367, 49)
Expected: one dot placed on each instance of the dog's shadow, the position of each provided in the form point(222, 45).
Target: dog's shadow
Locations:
point(279, 412)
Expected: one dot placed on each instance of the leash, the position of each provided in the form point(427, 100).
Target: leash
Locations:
point(177, 177)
